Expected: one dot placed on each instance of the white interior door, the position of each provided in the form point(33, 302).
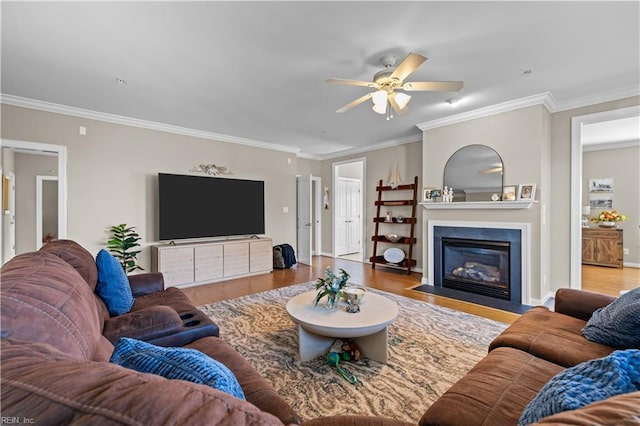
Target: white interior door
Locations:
point(304, 221)
point(348, 213)
point(353, 215)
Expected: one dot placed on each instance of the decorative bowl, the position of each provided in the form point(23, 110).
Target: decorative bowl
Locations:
point(394, 238)
point(606, 224)
point(354, 295)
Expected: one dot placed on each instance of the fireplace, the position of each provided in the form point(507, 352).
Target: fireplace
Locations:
point(479, 258)
point(477, 266)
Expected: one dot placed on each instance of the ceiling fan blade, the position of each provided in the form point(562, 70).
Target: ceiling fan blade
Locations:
point(408, 65)
point(358, 101)
point(351, 82)
point(433, 86)
point(394, 104)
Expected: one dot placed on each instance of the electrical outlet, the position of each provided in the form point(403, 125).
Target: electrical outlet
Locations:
point(625, 251)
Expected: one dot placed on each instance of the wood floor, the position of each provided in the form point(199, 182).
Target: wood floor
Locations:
point(386, 279)
point(609, 280)
point(594, 278)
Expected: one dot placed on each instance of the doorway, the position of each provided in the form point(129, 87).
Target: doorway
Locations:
point(308, 213)
point(27, 240)
point(577, 202)
point(348, 216)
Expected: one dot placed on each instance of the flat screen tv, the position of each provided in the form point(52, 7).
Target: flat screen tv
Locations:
point(204, 207)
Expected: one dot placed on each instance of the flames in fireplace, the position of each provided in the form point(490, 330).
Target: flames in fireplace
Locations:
point(477, 266)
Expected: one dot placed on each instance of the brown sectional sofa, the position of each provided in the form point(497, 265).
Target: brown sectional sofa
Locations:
point(536, 347)
point(57, 338)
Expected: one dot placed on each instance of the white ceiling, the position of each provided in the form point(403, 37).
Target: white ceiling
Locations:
point(255, 71)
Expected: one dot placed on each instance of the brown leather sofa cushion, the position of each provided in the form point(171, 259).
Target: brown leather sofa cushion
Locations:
point(551, 336)
point(615, 411)
point(46, 300)
point(77, 256)
point(494, 392)
point(144, 324)
point(257, 389)
point(47, 387)
point(172, 296)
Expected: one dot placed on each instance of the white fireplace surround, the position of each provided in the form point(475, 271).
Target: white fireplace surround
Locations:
point(525, 244)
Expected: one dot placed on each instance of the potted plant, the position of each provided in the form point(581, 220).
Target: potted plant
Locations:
point(331, 285)
point(123, 244)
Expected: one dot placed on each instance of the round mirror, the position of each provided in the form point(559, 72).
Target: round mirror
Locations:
point(475, 174)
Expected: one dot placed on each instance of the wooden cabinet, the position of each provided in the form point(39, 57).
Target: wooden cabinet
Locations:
point(185, 265)
point(404, 203)
point(602, 247)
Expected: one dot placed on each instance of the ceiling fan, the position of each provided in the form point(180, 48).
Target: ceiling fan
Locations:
point(388, 81)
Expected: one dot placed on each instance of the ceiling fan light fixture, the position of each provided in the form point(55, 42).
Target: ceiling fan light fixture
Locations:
point(402, 99)
point(380, 108)
point(380, 98)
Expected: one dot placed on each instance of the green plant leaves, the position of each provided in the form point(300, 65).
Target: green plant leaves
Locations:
point(122, 244)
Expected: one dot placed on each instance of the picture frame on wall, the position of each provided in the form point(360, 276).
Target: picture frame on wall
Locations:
point(601, 185)
point(509, 192)
point(600, 201)
point(527, 192)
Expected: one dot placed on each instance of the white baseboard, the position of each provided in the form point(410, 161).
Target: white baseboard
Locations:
point(631, 265)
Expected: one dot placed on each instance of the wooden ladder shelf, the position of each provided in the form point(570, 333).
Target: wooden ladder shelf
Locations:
point(382, 222)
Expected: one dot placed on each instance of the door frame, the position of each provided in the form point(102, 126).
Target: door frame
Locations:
point(334, 179)
point(575, 274)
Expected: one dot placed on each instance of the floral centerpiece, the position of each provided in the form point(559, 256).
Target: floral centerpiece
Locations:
point(331, 285)
point(608, 218)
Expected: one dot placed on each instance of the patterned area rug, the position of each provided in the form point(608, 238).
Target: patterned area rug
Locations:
point(430, 348)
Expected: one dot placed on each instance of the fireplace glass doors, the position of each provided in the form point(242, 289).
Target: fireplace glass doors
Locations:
point(477, 266)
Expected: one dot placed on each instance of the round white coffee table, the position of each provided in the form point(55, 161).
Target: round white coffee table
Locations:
point(318, 327)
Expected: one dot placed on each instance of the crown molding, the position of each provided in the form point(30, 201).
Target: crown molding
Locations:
point(612, 95)
point(545, 99)
point(386, 144)
point(610, 145)
point(134, 122)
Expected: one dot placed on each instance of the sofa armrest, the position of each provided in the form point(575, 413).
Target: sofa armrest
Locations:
point(144, 324)
point(579, 303)
point(148, 283)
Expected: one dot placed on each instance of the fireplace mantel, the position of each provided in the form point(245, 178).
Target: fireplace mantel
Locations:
point(479, 205)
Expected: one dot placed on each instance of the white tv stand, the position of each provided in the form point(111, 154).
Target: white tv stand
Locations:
point(188, 264)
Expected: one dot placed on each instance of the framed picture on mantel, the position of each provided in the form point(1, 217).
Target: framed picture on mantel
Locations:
point(509, 193)
point(527, 192)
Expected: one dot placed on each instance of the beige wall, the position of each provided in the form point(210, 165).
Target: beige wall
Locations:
point(112, 173)
point(560, 211)
point(521, 138)
point(378, 166)
point(623, 165)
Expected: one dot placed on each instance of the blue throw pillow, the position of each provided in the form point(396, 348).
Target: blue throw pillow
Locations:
point(176, 363)
point(113, 285)
point(617, 324)
point(588, 382)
